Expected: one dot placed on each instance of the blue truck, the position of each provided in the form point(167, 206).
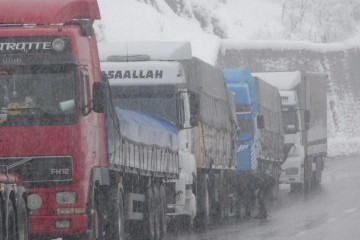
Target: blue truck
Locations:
point(260, 136)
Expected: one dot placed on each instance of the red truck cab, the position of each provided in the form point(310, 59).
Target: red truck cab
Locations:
point(49, 134)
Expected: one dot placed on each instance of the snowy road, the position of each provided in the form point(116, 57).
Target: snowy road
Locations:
point(329, 213)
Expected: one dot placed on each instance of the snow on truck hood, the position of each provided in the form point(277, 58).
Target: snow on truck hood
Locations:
point(147, 129)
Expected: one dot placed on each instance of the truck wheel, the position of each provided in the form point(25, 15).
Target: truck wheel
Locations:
point(99, 215)
point(22, 220)
point(2, 237)
point(224, 199)
point(163, 221)
point(157, 210)
point(203, 216)
point(307, 186)
point(149, 218)
point(275, 192)
point(117, 217)
point(295, 187)
point(10, 223)
point(182, 224)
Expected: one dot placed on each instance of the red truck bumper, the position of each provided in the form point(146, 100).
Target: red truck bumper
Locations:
point(57, 225)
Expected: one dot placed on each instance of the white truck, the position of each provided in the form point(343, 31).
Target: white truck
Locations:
point(163, 79)
point(153, 81)
point(304, 111)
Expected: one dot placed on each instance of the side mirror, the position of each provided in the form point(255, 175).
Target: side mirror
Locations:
point(194, 109)
point(184, 111)
point(307, 119)
point(260, 122)
point(99, 97)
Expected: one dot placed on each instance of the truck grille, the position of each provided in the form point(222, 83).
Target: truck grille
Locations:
point(292, 171)
point(39, 169)
point(170, 191)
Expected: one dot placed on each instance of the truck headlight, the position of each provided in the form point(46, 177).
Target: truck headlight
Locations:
point(58, 44)
point(65, 197)
point(34, 201)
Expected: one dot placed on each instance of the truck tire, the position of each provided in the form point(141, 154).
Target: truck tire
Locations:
point(203, 198)
point(99, 215)
point(2, 237)
point(296, 187)
point(157, 211)
point(306, 187)
point(275, 192)
point(149, 223)
point(117, 217)
point(224, 199)
point(10, 221)
point(163, 221)
point(186, 222)
point(22, 219)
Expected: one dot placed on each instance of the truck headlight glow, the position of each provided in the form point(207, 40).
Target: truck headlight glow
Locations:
point(58, 44)
point(65, 197)
point(34, 201)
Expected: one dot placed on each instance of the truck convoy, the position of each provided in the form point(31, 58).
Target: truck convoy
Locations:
point(260, 138)
point(106, 155)
point(304, 104)
point(164, 80)
point(83, 170)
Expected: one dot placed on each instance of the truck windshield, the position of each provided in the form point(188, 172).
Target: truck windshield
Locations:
point(37, 95)
point(246, 124)
point(290, 120)
point(160, 101)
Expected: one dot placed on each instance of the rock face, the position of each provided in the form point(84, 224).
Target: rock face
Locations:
point(340, 62)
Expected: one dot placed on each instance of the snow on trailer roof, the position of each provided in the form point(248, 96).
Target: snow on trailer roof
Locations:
point(281, 80)
point(47, 11)
point(154, 50)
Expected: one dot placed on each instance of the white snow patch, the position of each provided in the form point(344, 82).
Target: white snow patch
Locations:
point(128, 20)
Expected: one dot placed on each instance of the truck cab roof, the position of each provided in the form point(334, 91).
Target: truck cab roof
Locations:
point(242, 80)
point(281, 80)
point(149, 50)
point(47, 11)
point(241, 93)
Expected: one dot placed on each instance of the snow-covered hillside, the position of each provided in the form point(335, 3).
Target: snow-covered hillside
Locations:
point(205, 22)
point(212, 25)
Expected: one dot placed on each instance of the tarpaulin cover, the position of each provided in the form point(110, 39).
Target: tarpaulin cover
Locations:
point(148, 129)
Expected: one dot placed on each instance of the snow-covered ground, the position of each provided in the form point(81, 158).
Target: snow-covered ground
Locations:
point(211, 24)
